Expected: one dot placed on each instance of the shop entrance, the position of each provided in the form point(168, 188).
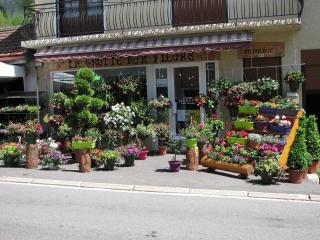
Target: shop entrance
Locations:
point(181, 84)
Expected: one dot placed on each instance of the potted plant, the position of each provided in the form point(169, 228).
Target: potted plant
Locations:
point(11, 154)
point(161, 107)
point(261, 123)
point(109, 159)
point(191, 135)
point(176, 143)
point(237, 137)
point(255, 140)
point(299, 158)
point(280, 125)
point(268, 108)
point(130, 153)
point(294, 79)
point(162, 132)
point(142, 132)
point(244, 123)
point(52, 160)
point(313, 143)
point(267, 170)
point(212, 130)
point(288, 108)
point(79, 142)
point(32, 131)
point(248, 106)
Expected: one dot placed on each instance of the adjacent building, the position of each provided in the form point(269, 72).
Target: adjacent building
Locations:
point(176, 46)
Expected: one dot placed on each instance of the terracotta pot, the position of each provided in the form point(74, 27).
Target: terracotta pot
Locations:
point(296, 176)
point(163, 150)
point(314, 167)
point(84, 160)
point(32, 156)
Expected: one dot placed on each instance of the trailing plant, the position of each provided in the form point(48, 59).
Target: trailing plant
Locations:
point(110, 157)
point(129, 85)
point(162, 130)
point(294, 77)
point(160, 102)
point(313, 137)
point(268, 168)
point(212, 129)
point(142, 112)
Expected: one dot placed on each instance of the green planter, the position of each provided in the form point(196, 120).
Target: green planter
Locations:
point(243, 125)
point(248, 109)
point(83, 145)
point(191, 142)
point(235, 140)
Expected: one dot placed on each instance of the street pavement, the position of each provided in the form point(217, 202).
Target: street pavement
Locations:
point(154, 172)
point(31, 212)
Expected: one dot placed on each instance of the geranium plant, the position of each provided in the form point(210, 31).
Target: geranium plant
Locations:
point(237, 134)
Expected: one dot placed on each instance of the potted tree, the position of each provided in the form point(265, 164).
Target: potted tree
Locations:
point(267, 170)
point(109, 159)
point(299, 158)
point(294, 79)
point(163, 133)
point(313, 143)
point(176, 143)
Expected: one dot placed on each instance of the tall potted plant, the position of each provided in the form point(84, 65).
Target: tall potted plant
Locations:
point(32, 131)
point(192, 134)
point(176, 143)
point(298, 160)
point(163, 133)
point(294, 79)
point(313, 143)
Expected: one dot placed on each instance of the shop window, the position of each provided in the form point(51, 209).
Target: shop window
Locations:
point(210, 73)
point(63, 82)
point(162, 81)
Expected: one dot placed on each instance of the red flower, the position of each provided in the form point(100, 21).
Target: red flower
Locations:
point(230, 133)
point(39, 129)
point(214, 116)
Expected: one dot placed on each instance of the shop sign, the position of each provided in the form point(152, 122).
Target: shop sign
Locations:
point(263, 49)
point(142, 60)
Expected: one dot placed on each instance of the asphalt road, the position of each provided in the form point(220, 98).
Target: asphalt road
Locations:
point(40, 212)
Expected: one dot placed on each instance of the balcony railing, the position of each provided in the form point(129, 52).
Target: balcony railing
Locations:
point(52, 20)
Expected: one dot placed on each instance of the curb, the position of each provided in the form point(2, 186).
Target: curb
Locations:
point(166, 190)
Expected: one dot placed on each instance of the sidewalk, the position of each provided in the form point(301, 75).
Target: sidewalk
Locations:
point(154, 172)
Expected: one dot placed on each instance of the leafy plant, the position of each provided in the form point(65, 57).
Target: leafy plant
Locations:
point(120, 117)
point(160, 102)
point(94, 133)
point(191, 132)
point(142, 112)
point(299, 157)
point(162, 130)
point(144, 132)
point(313, 137)
point(111, 139)
point(109, 157)
point(176, 144)
point(222, 86)
point(64, 132)
point(257, 138)
point(54, 157)
point(288, 104)
point(129, 85)
point(212, 129)
point(268, 168)
point(294, 77)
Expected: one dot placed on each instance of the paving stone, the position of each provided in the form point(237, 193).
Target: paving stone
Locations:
point(107, 186)
point(219, 192)
point(15, 179)
point(56, 182)
point(161, 189)
point(279, 196)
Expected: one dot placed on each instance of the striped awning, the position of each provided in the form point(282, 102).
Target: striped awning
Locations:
point(214, 42)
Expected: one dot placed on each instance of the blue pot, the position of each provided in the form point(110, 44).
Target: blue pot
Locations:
point(283, 130)
point(268, 110)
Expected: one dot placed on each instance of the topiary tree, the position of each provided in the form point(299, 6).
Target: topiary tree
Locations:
point(299, 157)
point(313, 137)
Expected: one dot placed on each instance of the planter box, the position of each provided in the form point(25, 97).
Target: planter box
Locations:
point(191, 143)
point(245, 170)
point(243, 125)
point(262, 125)
point(287, 112)
point(248, 109)
point(268, 111)
point(83, 145)
point(235, 140)
point(280, 129)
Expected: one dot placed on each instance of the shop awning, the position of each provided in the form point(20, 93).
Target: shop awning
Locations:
point(213, 42)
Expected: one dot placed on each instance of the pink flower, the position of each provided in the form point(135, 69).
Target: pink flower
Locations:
point(201, 125)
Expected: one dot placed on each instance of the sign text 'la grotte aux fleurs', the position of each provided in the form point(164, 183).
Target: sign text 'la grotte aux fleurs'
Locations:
point(140, 60)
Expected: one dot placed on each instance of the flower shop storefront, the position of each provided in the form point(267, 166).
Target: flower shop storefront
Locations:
point(178, 69)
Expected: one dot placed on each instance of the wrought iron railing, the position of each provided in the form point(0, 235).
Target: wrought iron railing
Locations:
point(52, 20)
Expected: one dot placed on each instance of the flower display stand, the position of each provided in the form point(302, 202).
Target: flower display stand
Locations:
point(244, 170)
point(192, 156)
point(84, 160)
point(32, 156)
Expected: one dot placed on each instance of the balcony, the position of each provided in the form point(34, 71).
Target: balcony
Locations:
point(85, 17)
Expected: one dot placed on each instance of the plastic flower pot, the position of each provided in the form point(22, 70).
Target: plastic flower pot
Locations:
point(248, 109)
point(143, 154)
point(283, 130)
point(175, 166)
point(129, 160)
point(268, 110)
point(314, 167)
point(109, 167)
point(83, 145)
point(294, 86)
point(236, 140)
point(262, 125)
point(10, 161)
point(296, 176)
point(266, 179)
point(243, 125)
point(287, 112)
point(191, 142)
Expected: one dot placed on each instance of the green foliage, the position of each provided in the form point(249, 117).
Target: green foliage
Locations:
point(85, 74)
point(222, 86)
point(142, 112)
point(64, 132)
point(97, 104)
point(269, 167)
point(191, 132)
point(7, 21)
point(86, 119)
point(111, 139)
point(299, 158)
point(69, 103)
point(94, 133)
point(212, 129)
point(82, 102)
point(294, 77)
point(143, 131)
point(110, 157)
point(312, 137)
point(82, 87)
